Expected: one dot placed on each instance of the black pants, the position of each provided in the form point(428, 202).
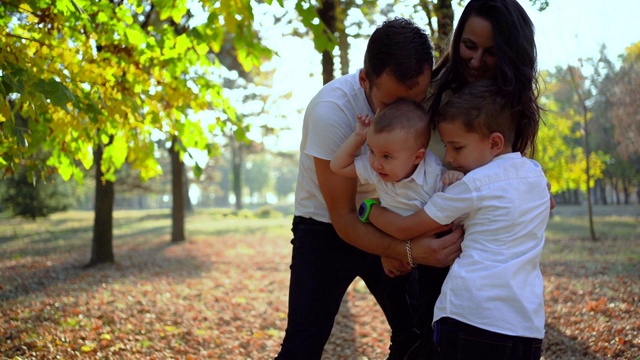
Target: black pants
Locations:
point(430, 280)
point(322, 268)
point(457, 340)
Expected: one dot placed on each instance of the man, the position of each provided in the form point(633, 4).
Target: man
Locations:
point(331, 246)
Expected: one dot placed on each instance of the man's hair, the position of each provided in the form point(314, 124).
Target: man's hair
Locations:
point(516, 64)
point(407, 116)
point(399, 47)
point(481, 109)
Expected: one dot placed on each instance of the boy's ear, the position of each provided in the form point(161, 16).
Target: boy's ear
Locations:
point(497, 143)
point(419, 156)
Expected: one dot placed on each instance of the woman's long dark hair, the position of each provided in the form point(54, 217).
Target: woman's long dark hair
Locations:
point(516, 62)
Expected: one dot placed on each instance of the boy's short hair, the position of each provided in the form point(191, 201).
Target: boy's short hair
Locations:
point(482, 109)
point(404, 115)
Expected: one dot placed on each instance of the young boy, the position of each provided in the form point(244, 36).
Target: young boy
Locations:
point(494, 290)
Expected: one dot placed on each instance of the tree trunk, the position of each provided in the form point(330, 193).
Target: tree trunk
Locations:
point(616, 192)
point(602, 191)
point(625, 191)
point(177, 190)
point(236, 168)
point(574, 197)
point(343, 45)
point(444, 12)
point(587, 150)
point(188, 205)
point(102, 243)
point(327, 14)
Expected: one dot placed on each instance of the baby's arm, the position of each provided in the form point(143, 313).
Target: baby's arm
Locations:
point(403, 227)
point(342, 162)
point(451, 176)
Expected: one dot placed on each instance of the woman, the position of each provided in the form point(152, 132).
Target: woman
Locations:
point(493, 40)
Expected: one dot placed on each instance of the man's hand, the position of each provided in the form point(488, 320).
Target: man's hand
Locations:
point(393, 267)
point(438, 252)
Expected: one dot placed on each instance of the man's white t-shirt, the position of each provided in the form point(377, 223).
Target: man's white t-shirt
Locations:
point(329, 120)
point(409, 195)
point(496, 283)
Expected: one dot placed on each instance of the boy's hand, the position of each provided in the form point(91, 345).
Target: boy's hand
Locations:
point(364, 122)
point(451, 176)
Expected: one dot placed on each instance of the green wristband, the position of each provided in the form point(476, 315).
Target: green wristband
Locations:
point(365, 209)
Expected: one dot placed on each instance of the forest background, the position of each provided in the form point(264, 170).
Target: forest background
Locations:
point(113, 105)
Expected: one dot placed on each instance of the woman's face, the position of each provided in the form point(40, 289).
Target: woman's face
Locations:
point(477, 50)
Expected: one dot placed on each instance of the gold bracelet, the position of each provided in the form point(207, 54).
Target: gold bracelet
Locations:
point(408, 246)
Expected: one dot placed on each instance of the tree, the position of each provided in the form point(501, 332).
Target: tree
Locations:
point(582, 99)
point(106, 74)
point(286, 174)
point(620, 169)
point(23, 197)
point(625, 98)
point(560, 150)
point(259, 175)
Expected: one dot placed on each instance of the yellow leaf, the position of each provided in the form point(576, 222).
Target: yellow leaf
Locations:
point(25, 7)
point(170, 329)
point(105, 337)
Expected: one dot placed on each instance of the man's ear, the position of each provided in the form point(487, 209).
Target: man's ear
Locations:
point(497, 143)
point(419, 156)
point(364, 82)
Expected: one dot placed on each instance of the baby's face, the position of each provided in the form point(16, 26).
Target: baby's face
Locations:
point(393, 155)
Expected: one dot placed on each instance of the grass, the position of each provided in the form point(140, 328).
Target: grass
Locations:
point(227, 286)
point(615, 250)
point(72, 231)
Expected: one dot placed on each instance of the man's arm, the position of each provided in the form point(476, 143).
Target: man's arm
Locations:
point(339, 194)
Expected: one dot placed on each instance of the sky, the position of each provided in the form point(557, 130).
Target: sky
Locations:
point(566, 31)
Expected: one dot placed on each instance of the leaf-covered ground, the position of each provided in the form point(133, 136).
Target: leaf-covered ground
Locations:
point(225, 297)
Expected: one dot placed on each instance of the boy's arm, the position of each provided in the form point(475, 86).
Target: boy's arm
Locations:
point(404, 227)
point(342, 162)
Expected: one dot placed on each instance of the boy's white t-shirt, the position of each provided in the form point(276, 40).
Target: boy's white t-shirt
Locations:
point(409, 195)
point(496, 283)
point(329, 120)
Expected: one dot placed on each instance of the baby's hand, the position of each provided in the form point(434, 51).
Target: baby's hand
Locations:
point(364, 122)
point(451, 176)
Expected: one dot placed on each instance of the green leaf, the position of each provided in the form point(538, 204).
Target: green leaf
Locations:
point(182, 44)
point(197, 171)
point(54, 91)
point(135, 36)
